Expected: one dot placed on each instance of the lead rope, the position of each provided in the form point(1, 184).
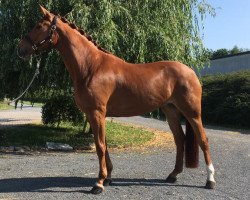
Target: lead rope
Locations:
point(36, 73)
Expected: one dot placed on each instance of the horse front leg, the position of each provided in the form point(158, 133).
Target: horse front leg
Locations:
point(97, 122)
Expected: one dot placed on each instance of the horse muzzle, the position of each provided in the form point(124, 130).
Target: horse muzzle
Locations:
point(23, 53)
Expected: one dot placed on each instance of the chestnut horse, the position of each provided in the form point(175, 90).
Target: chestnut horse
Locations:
point(105, 85)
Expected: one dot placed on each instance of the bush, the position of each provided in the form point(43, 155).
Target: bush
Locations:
point(61, 108)
point(226, 99)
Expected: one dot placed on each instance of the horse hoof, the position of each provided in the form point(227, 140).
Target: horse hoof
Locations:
point(107, 182)
point(210, 185)
point(97, 189)
point(170, 179)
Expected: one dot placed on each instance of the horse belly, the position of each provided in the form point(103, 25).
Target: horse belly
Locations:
point(127, 111)
point(129, 105)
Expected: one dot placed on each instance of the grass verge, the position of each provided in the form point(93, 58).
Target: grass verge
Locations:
point(5, 106)
point(118, 136)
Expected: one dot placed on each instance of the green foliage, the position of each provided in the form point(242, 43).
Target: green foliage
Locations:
point(137, 31)
point(235, 50)
point(14, 19)
point(220, 53)
point(144, 31)
point(226, 99)
point(61, 108)
point(225, 52)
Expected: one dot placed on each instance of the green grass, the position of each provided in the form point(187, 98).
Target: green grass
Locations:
point(37, 135)
point(126, 136)
point(5, 106)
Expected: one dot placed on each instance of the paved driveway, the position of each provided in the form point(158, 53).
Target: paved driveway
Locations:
point(137, 175)
point(17, 117)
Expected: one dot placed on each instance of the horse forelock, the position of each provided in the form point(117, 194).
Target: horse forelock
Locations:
point(83, 33)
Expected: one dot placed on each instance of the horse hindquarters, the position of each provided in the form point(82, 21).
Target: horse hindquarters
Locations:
point(187, 99)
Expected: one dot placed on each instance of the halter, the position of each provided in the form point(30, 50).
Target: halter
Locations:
point(47, 39)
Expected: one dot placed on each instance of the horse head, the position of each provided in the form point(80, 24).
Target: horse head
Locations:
point(42, 37)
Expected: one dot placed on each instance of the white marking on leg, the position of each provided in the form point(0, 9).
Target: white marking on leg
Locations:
point(99, 185)
point(210, 172)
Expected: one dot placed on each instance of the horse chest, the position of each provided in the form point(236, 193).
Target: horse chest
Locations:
point(83, 99)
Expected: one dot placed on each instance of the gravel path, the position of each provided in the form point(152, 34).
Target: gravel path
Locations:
point(137, 175)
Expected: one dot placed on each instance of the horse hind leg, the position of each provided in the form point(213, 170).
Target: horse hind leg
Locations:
point(190, 107)
point(196, 124)
point(173, 117)
point(109, 165)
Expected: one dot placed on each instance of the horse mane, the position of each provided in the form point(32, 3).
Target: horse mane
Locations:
point(83, 33)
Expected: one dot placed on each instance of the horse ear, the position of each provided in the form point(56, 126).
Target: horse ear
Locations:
point(44, 11)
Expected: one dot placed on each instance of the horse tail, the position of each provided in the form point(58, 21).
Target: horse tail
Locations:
point(191, 147)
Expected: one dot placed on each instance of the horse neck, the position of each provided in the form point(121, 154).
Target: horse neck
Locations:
point(79, 55)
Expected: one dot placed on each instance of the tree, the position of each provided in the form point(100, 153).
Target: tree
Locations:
point(135, 30)
point(220, 53)
point(225, 52)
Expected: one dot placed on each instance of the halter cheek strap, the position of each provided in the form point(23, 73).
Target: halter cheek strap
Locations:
point(47, 39)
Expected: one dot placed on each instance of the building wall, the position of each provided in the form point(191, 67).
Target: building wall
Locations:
point(228, 64)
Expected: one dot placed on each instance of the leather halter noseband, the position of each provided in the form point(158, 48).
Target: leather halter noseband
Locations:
point(47, 39)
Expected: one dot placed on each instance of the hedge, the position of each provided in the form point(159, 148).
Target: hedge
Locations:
point(226, 99)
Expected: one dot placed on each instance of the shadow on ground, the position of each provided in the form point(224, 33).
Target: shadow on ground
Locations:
point(66, 184)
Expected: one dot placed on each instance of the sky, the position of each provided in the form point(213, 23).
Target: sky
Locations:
point(230, 26)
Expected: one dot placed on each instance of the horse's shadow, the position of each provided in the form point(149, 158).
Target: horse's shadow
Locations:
point(66, 184)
